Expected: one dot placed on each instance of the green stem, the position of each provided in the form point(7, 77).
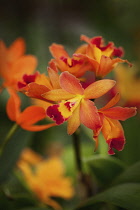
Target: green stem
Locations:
point(8, 137)
point(83, 178)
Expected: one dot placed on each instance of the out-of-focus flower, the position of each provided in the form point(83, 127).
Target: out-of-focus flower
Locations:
point(74, 104)
point(111, 127)
point(45, 178)
point(128, 84)
point(100, 56)
point(74, 65)
point(28, 117)
point(14, 64)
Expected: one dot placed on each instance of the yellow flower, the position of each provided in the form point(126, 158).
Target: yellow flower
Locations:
point(45, 178)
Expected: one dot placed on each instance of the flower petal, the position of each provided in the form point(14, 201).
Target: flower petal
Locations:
point(89, 115)
point(16, 49)
point(99, 88)
point(37, 127)
point(120, 113)
point(24, 65)
point(57, 95)
point(13, 105)
point(70, 83)
point(114, 135)
point(112, 102)
point(74, 121)
point(31, 115)
point(34, 90)
point(107, 64)
point(58, 50)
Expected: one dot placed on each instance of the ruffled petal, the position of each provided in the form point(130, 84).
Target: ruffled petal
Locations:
point(113, 134)
point(70, 83)
point(99, 88)
point(120, 113)
point(89, 115)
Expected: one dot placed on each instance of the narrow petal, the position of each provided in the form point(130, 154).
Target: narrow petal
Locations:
point(37, 127)
point(74, 121)
point(112, 102)
point(89, 115)
point(113, 134)
point(13, 105)
point(70, 83)
point(99, 88)
point(31, 115)
point(58, 50)
point(120, 113)
point(57, 95)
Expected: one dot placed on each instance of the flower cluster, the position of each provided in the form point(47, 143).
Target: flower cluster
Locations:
point(66, 91)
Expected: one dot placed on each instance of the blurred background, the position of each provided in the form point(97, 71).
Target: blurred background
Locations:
point(43, 22)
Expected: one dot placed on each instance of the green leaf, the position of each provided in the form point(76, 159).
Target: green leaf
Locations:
point(36, 208)
point(104, 168)
point(126, 196)
point(131, 174)
point(11, 153)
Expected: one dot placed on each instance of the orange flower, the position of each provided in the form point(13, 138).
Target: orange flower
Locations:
point(45, 178)
point(128, 84)
point(74, 104)
point(111, 128)
point(28, 117)
point(100, 56)
point(14, 64)
point(76, 66)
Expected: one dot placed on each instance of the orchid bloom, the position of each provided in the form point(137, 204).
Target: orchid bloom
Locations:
point(74, 102)
point(128, 84)
point(14, 64)
point(28, 117)
point(46, 178)
point(111, 128)
point(64, 62)
point(100, 56)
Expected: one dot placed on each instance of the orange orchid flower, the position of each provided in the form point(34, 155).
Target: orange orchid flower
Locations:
point(74, 104)
point(74, 65)
point(100, 56)
point(28, 117)
point(112, 129)
point(14, 64)
point(128, 84)
point(46, 178)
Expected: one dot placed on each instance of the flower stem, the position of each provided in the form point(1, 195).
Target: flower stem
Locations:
point(83, 178)
point(8, 137)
